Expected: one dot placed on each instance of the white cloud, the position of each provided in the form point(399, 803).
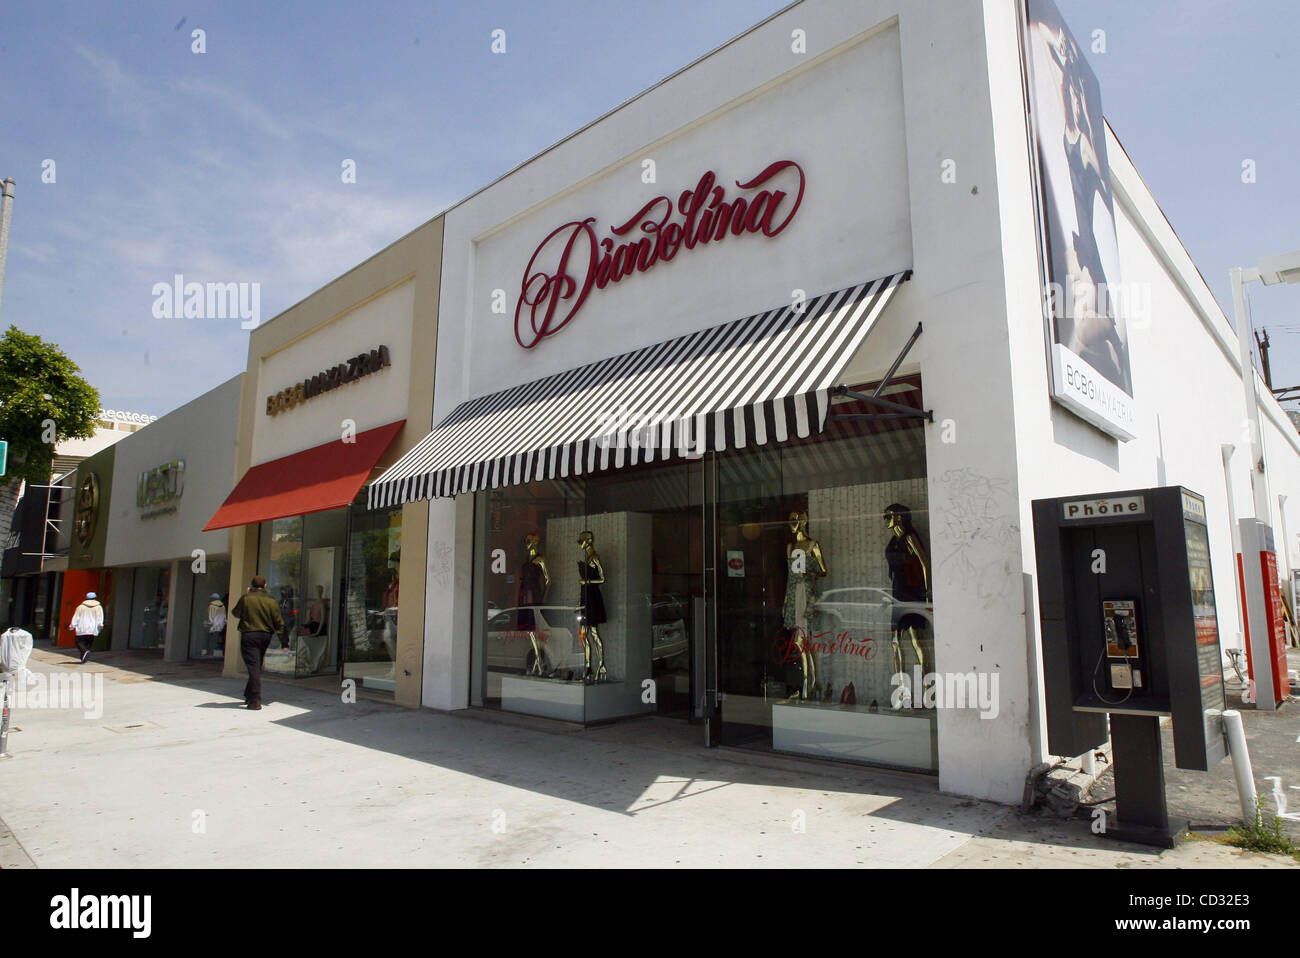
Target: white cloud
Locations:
point(255, 117)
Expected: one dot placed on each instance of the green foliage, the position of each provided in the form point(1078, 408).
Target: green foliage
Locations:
point(30, 370)
point(1261, 836)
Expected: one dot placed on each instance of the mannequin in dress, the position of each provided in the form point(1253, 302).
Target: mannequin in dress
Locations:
point(805, 566)
point(534, 583)
point(591, 574)
point(909, 578)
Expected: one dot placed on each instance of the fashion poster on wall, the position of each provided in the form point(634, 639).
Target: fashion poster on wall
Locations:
point(1088, 344)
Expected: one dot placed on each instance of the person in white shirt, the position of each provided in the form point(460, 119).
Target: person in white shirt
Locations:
point(216, 642)
point(86, 623)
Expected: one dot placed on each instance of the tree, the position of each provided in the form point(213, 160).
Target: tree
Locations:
point(43, 401)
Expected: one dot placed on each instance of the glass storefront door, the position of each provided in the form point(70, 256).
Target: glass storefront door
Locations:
point(209, 607)
point(150, 593)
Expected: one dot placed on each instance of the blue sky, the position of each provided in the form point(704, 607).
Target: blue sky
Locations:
point(224, 166)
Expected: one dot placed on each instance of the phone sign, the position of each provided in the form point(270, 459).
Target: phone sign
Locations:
point(1193, 507)
point(1104, 508)
point(735, 564)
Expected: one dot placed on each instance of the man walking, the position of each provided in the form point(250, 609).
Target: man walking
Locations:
point(87, 621)
point(259, 617)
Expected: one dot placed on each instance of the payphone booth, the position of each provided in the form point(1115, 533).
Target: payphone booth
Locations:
point(1126, 603)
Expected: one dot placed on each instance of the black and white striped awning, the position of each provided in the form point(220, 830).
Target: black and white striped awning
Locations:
point(765, 378)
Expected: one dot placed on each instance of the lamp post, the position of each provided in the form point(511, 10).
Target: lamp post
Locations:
point(1256, 532)
point(6, 211)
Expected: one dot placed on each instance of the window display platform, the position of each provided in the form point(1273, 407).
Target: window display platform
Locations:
point(907, 738)
point(569, 701)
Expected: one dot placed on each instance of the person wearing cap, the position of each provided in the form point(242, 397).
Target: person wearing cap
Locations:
point(216, 644)
point(87, 621)
point(259, 617)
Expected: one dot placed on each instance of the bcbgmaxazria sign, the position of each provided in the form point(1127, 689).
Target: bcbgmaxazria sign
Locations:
point(345, 372)
point(570, 262)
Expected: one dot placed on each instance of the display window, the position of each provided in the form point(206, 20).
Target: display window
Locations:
point(150, 593)
point(593, 599)
point(209, 607)
point(373, 588)
point(587, 591)
point(826, 618)
point(302, 560)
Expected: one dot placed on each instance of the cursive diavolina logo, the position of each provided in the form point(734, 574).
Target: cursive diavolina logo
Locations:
point(571, 261)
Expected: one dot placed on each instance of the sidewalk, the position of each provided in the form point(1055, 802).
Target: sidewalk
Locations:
point(176, 773)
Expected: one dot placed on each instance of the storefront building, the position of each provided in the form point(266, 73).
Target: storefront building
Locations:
point(168, 479)
point(36, 551)
point(83, 535)
point(32, 569)
point(744, 391)
point(336, 387)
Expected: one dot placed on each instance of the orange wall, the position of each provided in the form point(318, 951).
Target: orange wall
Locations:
point(76, 583)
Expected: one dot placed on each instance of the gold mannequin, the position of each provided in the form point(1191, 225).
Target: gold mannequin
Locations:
point(591, 574)
point(904, 547)
point(534, 583)
point(799, 600)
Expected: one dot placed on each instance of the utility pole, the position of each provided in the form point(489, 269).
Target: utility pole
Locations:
point(1261, 340)
point(6, 211)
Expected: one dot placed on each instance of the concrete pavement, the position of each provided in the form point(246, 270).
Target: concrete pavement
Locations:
point(176, 773)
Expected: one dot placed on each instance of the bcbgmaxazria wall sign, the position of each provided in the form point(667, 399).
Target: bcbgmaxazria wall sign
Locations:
point(349, 371)
point(570, 262)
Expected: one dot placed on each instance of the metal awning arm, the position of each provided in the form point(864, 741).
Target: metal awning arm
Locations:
point(903, 412)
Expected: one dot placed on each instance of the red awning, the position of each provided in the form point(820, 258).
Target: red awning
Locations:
point(322, 477)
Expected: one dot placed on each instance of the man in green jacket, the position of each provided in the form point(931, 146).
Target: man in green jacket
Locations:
point(259, 617)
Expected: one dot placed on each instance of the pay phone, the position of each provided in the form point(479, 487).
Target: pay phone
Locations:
point(1123, 650)
point(1130, 633)
point(1126, 602)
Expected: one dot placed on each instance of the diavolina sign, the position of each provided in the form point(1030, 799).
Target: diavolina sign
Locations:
point(571, 261)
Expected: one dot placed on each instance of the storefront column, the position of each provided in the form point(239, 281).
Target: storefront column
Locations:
point(176, 642)
point(411, 614)
point(448, 589)
point(123, 582)
point(243, 566)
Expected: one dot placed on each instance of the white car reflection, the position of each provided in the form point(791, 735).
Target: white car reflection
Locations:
point(668, 637)
point(868, 609)
point(510, 635)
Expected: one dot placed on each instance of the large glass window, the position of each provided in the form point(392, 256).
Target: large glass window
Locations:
point(588, 594)
point(208, 610)
point(825, 624)
point(593, 597)
point(302, 559)
point(149, 597)
point(280, 561)
point(370, 626)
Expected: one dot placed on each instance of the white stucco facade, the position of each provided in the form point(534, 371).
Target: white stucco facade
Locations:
point(910, 129)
